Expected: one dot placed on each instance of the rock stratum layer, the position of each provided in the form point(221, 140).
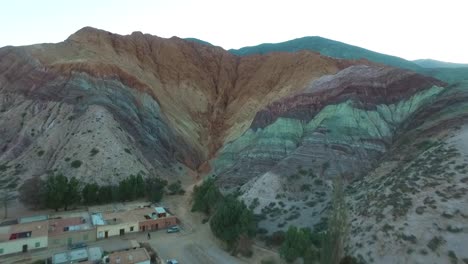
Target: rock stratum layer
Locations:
point(276, 127)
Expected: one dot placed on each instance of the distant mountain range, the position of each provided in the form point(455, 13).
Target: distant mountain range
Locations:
point(430, 63)
point(446, 71)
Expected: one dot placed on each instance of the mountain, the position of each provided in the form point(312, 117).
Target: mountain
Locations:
point(336, 49)
point(146, 104)
point(329, 48)
point(199, 41)
point(429, 63)
point(275, 128)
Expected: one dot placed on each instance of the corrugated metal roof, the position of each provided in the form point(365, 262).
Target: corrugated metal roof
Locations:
point(160, 210)
point(35, 218)
point(97, 219)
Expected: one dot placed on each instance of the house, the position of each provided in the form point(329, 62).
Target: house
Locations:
point(69, 231)
point(82, 255)
point(151, 219)
point(114, 224)
point(24, 236)
point(134, 256)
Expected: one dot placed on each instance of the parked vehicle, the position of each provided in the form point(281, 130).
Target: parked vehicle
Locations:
point(172, 261)
point(173, 229)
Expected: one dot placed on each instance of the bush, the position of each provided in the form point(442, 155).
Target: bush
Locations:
point(435, 243)
point(453, 257)
point(305, 187)
point(76, 164)
point(93, 152)
point(175, 188)
point(276, 239)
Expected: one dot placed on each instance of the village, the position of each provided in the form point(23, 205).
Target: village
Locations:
point(127, 233)
point(88, 236)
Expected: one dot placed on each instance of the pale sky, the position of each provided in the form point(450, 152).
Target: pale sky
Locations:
point(411, 29)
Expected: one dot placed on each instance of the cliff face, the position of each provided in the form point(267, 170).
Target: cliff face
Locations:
point(339, 124)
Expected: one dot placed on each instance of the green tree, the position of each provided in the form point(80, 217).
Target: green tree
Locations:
point(334, 238)
point(296, 243)
point(154, 188)
point(231, 220)
point(72, 194)
point(55, 191)
point(139, 186)
point(106, 194)
point(6, 196)
point(206, 197)
point(301, 243)
point(90, 193)
point(32, 192)
point(175, 188)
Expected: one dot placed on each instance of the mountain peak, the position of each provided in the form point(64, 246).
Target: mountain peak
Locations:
point(89, 34)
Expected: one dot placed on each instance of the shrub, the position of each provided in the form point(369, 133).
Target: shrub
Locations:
point(305, 187)
point(435, 243)
point(318, 182)
point(420, 209)
point(454, 229)
point(453, 257)
point(76, 164)
point(40, 153)
point(93, 152)
point(175, 188)
point(276, 238)
point(410, 238)
point(254, 203)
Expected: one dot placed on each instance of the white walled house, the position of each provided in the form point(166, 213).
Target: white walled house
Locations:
point(23, 237)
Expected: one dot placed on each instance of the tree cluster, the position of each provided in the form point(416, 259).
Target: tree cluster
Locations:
point(57, 191)
point(326, 247)
point(300, 242)
point(337, 232)
point(231, 220)
point(206, 197)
